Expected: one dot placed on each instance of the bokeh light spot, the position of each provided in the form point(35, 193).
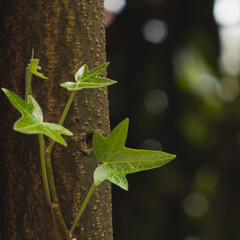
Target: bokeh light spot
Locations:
point(155, 101)
point(227, 12)
point(114, 6)
point(195, 205)
point(191, 238)
point(155, 30)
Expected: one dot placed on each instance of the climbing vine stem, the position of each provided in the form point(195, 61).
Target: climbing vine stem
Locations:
point(44, 173)
point(61, 121)
point(117, 160)
point(56, 208)
point(82, 209)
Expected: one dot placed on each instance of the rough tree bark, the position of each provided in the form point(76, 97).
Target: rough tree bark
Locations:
point(65, 34)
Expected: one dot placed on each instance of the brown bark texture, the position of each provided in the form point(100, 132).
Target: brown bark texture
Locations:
point(65, 34)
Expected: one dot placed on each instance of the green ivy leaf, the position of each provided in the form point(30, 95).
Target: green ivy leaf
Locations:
point(88, 79)
point(32, 119)
point(118, 160)
point(33, 68)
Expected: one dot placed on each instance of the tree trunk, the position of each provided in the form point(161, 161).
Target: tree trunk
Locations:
point(64, 34)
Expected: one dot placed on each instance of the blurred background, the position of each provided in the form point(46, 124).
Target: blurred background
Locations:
point(177, 64)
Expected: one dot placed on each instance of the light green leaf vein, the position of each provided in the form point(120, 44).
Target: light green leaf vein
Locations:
point(88, 79)
point(118, 160)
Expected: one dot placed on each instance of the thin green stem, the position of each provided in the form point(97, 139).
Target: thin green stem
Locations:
point(28, 83)
point(46, 165)
point(28, 79)
point(44, 173)
point(62, 119)
point(82, 209)
point(51, 181)
point(32, 56)
point(66, 109)
point(52, 187)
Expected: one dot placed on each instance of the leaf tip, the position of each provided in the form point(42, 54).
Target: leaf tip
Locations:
point(67, 85)
point(170, 157)
point(126, 121)
point(113, 82)
point(4, 90)
point(96, 137)
point(62, 141)
point(69, 133)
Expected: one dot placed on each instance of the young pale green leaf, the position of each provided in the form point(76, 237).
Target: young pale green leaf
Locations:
point(81, 73)
point(32, 119)
point(118, 160)
point(34, 68)
point(88, 79)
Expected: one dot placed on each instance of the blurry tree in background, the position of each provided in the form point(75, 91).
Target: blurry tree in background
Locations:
point(178, 81)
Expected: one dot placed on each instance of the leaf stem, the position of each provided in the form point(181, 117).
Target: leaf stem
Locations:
point(55, 203)
point(32, 56)
point(62, 119)
point(56, 207)
point(28, 81)
point(44, 173)
point(66, 109)
point(82, 209)
point(46, 164)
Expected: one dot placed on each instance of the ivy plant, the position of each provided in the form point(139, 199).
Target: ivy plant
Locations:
point(116, 159)
point(32, 119)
